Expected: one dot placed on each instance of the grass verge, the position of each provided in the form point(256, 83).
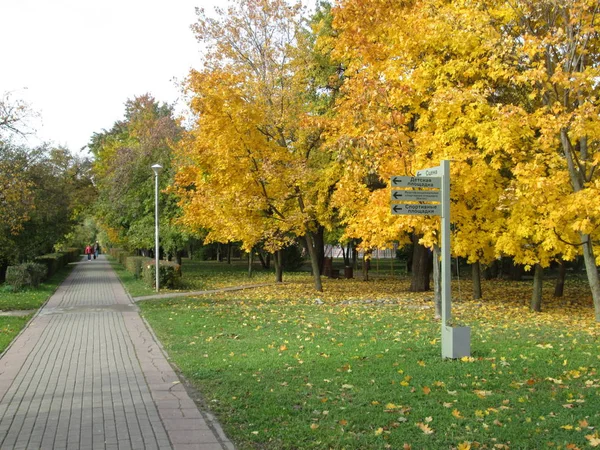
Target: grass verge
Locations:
point(363, 369)
point(29, 299)
point(135, 286)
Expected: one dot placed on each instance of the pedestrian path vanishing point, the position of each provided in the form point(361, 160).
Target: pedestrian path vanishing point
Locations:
point(86, 373)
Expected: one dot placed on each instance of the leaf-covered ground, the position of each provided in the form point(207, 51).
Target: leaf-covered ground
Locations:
point(359, 366)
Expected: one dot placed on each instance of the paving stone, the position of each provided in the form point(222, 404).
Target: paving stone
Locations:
point(86, 373)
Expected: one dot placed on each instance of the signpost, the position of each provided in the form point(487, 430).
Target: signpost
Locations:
point(417, 182)
point(417, 210)
point(456, 341)
point(422, 196)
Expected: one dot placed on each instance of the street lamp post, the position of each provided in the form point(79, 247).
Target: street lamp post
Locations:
point(157, 169)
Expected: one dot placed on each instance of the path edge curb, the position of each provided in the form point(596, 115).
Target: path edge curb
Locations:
point(192, 392)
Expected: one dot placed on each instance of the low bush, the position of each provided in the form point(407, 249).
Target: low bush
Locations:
point(134, 265)
point(72, 254)
point(122, 256)
point(26, 275)
point(53, 262)
point(169, 274)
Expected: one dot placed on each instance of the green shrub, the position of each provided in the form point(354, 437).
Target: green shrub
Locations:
point(25, 275)
point(73, 254)
point(168, 276)
point(114, 252)
point(134, 264)
point(52, 261)
point(122, 256)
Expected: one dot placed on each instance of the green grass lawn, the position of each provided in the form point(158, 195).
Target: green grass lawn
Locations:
point(29, 299)
point(289, 374)
point(200, 275)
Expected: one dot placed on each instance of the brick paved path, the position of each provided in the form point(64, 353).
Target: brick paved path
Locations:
point(87, 374)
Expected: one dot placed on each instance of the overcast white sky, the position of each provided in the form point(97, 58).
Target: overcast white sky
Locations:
point(80, 61)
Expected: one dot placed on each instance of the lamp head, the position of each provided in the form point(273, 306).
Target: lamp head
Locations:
point(157, 169)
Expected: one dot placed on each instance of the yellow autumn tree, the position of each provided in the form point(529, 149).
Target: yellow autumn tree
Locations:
point(506, 90)
point(554, 65)
point(251, 168)
point(408, 102)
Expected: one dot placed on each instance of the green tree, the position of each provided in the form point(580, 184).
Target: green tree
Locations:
point(122, 167)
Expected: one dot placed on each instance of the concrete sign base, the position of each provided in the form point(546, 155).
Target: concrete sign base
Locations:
point(456, 342)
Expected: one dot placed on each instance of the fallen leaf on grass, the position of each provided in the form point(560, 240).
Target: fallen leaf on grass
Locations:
point(593, 439)
point(425, 428)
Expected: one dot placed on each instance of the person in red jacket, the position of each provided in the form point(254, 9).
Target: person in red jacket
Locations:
point(88, 252)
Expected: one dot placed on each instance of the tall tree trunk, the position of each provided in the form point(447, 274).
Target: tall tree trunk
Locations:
point(229, 253)
point(179, 257)
point(420, 267)
point(538, 281)
point(314, 261)
point(219, 252)
point(577, 181)
point(559, 287)
point(476, 275)
point(366, 264)
point(278, 259)
point(262, 260)
point(319, 243)
point(250, 262)
point(592, 272)
point(437, 281)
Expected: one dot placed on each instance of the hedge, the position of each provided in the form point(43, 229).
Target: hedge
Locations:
point(53, 261)
point(134, 265)
point(119, 254)
point(168, 276)
point(26, 275)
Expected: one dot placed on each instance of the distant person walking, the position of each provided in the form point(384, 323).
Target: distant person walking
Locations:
point(96, 249)
point(88, 252)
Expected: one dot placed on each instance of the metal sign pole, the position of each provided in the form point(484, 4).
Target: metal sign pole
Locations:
point(446, 274)
point(456, 341)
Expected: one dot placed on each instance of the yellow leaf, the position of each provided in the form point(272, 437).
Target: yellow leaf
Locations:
point(456, 413)
point(314, 426)
point(378, 431)
point(593, 439)
point(425, 428)
point(464, 446)
point(567, 427)
point(426, 390)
